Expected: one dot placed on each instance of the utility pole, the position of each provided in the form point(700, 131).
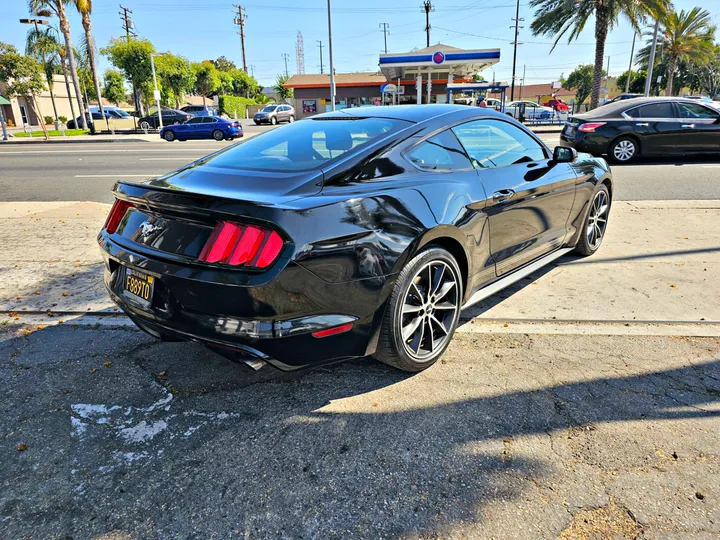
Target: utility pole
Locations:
point(240, 17)
point(330, 51)
point(128, 24)
point(632, 50)
point(321, 61)
point(651, 59)
point(384, 26)
point(607, 80)
point(515, 43)
point(427, 7)
point(285, 57)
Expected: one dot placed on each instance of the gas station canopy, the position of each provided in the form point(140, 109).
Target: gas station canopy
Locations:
point(442, 61)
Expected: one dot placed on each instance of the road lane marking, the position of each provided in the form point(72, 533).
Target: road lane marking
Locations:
point(163, 158)
point(119, 175)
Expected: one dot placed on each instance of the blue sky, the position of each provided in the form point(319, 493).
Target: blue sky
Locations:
point(204, 29)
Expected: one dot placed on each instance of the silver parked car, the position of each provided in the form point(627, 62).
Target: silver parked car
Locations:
point(272, 114)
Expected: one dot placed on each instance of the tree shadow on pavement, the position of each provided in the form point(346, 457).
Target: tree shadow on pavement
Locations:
point(171, 440)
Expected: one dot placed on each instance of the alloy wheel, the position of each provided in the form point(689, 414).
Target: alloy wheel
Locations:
point(624, 150)
point(429, 310)
point(597, 220)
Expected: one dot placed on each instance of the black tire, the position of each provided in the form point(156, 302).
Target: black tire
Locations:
point(624, 150)
point(169, 135)
point(218, 135)
point(291, 119)
point(594, 227)
point(145, 125)
point(273, 120)
point(406, 306)
point(257, 123)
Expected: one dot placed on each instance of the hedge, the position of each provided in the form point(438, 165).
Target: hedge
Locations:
point(231, 105)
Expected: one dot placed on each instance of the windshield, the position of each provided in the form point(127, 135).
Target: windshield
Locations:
point(305, 145)
point(269, 108)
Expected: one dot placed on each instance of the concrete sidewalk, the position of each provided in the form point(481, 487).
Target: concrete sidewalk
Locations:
point(653, 275)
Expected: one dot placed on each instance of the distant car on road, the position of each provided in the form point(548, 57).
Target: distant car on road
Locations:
point(203, 127)
point(112, 112)
point(645, 126)
point(169, 116)
point(557, 104)
point(199, 110)
point(274, 114)
point(533, 111)
point(89, 117)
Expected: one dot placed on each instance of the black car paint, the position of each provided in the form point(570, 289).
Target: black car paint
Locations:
point(655, 136)
point(349, 229)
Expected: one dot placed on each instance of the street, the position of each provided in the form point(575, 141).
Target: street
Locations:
point(87, 172)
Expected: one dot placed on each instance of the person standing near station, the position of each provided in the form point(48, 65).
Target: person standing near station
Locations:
point(481, 102)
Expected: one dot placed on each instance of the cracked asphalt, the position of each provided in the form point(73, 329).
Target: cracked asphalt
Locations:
point(109, 434)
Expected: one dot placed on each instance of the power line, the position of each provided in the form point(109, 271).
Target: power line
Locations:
point(427, 7)
point(321, 59)
point(240, 21)
point(384, 26)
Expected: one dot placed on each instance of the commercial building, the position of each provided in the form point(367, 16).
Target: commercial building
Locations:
point(20, 112)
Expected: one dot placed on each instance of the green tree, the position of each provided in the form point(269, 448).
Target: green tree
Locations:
point(43, 45)
point(581, 80)
point(57, 8)
point(223, 64)
point(279, 87)
point(24, 77)
point(558, 17)
point(133, 59)
point(708, 76)
point(637, 81)
point(84, 7)
point(263, 99)
point(207, 79)
point(114, 89)
point(176, 76)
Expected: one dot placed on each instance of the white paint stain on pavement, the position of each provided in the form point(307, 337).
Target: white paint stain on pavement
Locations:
point(142, 432)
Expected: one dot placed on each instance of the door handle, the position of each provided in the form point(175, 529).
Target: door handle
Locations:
point(688, 126)
point(643, 124)
point(503, 195)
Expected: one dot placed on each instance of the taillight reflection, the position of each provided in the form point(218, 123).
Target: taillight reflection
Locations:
point(241, 245)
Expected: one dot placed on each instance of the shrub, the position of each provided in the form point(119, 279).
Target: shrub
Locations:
point(48, 120)
point(63, 119)
point(231, 105)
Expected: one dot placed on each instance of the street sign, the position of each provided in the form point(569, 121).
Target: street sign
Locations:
point(556, 85)
point(388, 88)
point(156, 95)
point(400, 90)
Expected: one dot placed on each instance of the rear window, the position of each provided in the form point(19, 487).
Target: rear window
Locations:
point(306, 145)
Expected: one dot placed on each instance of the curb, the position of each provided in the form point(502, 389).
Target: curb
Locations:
point(75, 140)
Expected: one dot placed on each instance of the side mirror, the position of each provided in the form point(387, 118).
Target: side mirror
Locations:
point(564, 154)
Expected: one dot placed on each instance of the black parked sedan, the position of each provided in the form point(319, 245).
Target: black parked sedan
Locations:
point(169, 117)
point(352, 233)
point(645, 126)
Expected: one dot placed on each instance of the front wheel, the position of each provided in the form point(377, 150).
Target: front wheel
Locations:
point(218, 135)
point(169, 135)
point(422, 312)
point(623, 150)
point(595, 225)
point(144, 124)
point(273, 120)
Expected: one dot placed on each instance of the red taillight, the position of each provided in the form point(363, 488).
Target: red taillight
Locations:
point(333, 331)
point(590, 127)
point(241, 245)
point(116, 214)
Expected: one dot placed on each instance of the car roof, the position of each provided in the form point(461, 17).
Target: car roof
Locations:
point(617, 107)
point(410, 113)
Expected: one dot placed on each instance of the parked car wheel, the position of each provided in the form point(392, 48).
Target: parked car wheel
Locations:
point(422, 312)
point(169, 135)
point(218, 135)
point(273, 120)
point(291, 119)
point(624, 149)
point(145, 125)
point(257, 123)
point(595, 224)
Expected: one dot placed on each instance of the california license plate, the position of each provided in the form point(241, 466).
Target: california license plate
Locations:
point(139, 286)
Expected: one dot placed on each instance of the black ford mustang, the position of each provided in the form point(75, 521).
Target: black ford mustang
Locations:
point(361, 232)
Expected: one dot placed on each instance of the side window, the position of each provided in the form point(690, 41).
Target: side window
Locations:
point(693, 110)
point(494, 143)
point(653, 110)
point(195, 120)
point(208, 120)
point(439, 153)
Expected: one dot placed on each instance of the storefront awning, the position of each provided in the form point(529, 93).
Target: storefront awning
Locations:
point(4, 101)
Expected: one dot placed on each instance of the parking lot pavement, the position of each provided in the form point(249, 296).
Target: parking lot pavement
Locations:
point(108, 434)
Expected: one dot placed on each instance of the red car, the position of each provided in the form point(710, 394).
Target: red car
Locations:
point(557, 104)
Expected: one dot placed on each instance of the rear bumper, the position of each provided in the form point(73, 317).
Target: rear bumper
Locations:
point(247, 315)
point(591, 143)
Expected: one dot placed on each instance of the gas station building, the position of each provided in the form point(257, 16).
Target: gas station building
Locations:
point(430, 75)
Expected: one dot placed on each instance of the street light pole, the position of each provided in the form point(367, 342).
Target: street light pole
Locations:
point(632, 50)
point(652, 59)
point(330, 50)
point(157, 92)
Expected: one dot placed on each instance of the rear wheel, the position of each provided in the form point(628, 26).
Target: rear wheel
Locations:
point(422, 312)
point(273, 120)
point(624, 149)
point(144, 124)
point(169, 135)
point(595, 224)
point(291, 119)
point(218, 135)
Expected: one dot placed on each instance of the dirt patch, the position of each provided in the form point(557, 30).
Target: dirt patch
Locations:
point(609, 521)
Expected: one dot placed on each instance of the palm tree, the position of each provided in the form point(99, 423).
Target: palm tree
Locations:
point(84, 7)
point(688, 35)
point(43, 45)
point(63, 66)
point(57, 8)
point(557, 17)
